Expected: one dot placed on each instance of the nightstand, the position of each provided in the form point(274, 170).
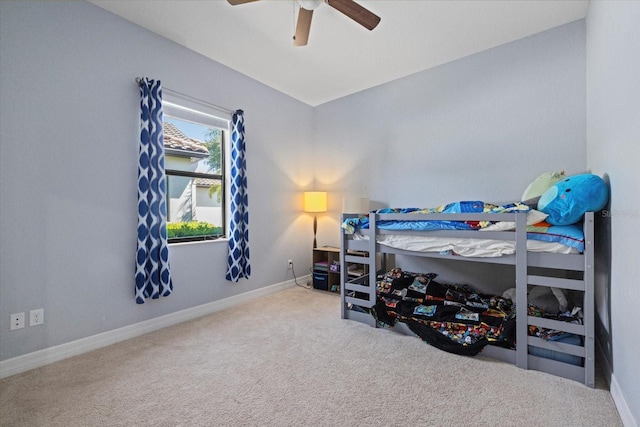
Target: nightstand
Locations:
point(326, 269)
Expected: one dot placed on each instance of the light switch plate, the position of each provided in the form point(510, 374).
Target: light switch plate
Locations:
point(17, 321)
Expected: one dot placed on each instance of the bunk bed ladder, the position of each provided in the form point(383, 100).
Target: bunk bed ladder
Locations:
point(586, 351)
point(358, 295)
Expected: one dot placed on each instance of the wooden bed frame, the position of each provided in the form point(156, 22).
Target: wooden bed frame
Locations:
point(372, 254)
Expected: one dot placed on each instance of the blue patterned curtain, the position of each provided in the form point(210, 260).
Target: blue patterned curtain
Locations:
point(153, 279)
point(238, 265)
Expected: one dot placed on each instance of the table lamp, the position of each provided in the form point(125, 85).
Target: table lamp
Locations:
point(315, 202)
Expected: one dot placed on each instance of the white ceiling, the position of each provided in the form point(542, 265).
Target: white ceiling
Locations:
point(342, 57)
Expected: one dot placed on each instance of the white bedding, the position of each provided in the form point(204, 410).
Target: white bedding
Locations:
point(465, 247)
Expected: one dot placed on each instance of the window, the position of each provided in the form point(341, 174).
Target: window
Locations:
point(194, 144)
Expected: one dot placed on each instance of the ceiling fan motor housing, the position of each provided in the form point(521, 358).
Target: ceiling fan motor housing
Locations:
point(309, 4)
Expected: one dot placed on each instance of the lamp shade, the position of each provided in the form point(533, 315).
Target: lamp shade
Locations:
point(315, 201)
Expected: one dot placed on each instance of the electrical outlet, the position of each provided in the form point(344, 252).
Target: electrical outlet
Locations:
point(289, 264)
point(36, 317)
point(17, 321)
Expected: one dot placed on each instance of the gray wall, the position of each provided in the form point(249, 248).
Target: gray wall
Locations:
point(480, 128)
point(613, 148)
point(68, 170)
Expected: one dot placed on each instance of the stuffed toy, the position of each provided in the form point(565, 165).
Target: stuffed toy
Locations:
point(566, 202)
point(548, 299)
point(539, 185)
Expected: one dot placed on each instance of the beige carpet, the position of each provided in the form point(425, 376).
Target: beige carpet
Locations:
point(289, 360)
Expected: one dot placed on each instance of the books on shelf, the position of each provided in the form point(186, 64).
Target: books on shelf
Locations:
point(321, 265)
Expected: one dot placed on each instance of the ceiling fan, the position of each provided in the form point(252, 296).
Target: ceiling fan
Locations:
point(350, 8)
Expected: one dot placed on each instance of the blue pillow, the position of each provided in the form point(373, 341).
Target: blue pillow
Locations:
point(569, 235)
point(568, 200)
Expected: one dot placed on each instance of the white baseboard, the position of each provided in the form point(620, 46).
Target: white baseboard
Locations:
point(49, 355)
point(621, 404)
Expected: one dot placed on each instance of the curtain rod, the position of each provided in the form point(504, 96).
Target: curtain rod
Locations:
point(192, 99)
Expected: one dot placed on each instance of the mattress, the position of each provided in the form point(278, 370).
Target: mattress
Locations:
point(465, 246)
point(469, 247)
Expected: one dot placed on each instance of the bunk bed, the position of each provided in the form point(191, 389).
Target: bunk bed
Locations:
point(572, 271)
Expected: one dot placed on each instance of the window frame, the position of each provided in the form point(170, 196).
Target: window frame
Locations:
point(185, 108)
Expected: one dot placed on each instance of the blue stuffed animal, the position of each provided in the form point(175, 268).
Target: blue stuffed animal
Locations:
point(568, 200)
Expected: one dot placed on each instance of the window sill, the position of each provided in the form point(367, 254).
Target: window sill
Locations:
point(191, 242)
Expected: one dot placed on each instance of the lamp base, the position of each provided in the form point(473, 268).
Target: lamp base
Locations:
point(315, 229)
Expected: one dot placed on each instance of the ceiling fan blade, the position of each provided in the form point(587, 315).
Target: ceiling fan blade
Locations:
point(302, 27)
point(237, 2)
point(353, 10)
